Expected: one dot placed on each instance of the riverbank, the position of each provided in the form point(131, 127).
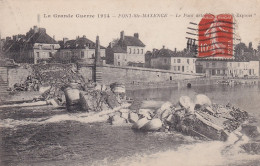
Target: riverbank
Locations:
point(191, 82)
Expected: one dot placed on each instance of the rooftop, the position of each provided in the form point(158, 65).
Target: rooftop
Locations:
point(131, 41)
point(80, 43)
point(169, 53)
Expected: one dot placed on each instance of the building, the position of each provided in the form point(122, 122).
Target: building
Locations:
point(182, 61)
point(81, 49)
point(126, 51)
point(33, 47)
point(228, 67)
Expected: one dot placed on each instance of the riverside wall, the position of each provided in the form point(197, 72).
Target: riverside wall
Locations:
point(136, 77)
point(131, 76)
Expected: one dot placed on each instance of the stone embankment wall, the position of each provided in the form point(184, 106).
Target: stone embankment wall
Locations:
point(131, 76)
point(136, 75)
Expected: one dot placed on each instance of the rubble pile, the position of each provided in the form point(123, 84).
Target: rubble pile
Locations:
point(93, 98)
point(199, 118)
point(50, 79)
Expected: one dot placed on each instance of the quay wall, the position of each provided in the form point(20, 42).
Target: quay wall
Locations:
point(110, 74)
point(135, 75)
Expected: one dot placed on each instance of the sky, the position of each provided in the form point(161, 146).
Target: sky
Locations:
point(18, 16)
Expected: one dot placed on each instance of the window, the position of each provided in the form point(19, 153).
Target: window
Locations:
point(134, 51)
point(142, 51)
point(182, 68)
point(178, 61)
point(188, 61)
point(38, 54)
point(118, 63)
point(82, 54)
point(174, 68)
point(174, 60)
point(137, 51)
point(129, 50)
point(50, 54)
point(179, 68)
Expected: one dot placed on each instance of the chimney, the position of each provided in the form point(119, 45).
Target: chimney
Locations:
point(53, 37)
point(188, 44)
point(65, 40)
point(163, 46)
point(193, 44)
point(35, 29)
point(111, 44)
point(122, 35)
point(250, 45)
point(136, 35)
point(14, 37)
point(175, 50)
point(8, 38)
point(84, 36)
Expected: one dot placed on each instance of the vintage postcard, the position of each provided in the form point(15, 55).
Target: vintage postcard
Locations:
point(129, 82)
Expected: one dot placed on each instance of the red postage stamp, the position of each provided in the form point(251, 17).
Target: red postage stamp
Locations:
point(216, 36)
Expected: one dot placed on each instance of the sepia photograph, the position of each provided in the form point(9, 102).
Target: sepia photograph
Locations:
point(129, 83)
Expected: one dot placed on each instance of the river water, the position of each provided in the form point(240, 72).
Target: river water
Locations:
point(46, 136)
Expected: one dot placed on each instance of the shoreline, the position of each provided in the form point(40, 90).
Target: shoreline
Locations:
point(183, 83)
point(27, 96)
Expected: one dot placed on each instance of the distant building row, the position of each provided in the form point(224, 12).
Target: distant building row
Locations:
point(38, 46)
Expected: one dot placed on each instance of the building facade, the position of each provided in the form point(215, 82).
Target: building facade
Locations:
point(172, 60)
point(127, 51)
point(81, 49)
point(33, 47)
point(228, 68)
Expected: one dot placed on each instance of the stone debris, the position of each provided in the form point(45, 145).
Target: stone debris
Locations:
point(140, 123)
point(153, 125)
point(201, 99)
point(93, 99)
point(49, 80)
point(133, 117)
point(205, 120)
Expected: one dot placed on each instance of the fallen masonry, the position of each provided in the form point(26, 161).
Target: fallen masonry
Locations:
point(198, 117)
